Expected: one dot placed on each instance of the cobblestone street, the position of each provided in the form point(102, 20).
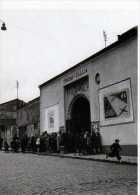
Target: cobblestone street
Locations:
point(30, 174)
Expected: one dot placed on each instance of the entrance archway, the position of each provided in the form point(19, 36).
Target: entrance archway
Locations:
point(80, 115)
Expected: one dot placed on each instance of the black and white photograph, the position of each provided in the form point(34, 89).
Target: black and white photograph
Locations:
point(69, 97)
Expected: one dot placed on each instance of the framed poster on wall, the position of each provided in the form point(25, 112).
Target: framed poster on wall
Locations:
point(116, 103)
point(52, 119)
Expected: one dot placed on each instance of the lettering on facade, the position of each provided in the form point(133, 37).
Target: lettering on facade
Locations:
point(75, 75)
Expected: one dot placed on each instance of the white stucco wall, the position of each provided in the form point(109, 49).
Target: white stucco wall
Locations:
point(114, 65)
point(50, 96)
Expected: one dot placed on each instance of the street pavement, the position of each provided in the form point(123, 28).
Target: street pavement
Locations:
point(31, 174)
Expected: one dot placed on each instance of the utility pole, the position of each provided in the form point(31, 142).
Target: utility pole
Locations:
point(105, 37)
point(17, 86)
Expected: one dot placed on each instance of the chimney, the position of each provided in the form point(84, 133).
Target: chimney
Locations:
point(118, 37)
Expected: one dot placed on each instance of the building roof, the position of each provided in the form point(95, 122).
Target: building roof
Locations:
point(12, 101)
point(121, 38)
point(31, 102)
point(12, 105)
point(18, 101)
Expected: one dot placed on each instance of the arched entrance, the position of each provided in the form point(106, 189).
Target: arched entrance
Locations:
point(80, 115)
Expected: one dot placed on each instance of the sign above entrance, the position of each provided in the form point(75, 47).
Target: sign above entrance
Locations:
point(75, 75)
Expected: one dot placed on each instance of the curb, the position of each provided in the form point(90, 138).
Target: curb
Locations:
point(91, 159)
point(80, 158)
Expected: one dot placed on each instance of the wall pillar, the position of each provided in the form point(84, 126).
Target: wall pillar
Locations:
point(94, 98)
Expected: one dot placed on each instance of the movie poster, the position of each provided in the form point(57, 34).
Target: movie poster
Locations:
point(116, 103)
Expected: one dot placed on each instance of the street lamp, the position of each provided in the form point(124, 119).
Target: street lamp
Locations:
point(3, 27)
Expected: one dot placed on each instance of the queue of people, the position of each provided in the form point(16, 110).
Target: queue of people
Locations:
point(42, 143)
point(83, 143)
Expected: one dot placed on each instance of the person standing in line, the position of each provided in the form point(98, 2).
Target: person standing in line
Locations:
point(98, 142)
point(33, 144)
point(80, 144)
point(16, 144)
point(88, 142)
point(93, 140)
point(38, 144)
point(85, 137)
point(1, 143)
point(24, 143)
point(6, 146)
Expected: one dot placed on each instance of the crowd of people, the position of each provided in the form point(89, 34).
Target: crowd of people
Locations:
point(83, 143)
point(40, 143)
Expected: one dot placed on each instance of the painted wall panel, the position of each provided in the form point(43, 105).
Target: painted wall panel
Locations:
point(50, 96)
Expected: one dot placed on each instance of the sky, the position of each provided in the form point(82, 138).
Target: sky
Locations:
point(44, 39)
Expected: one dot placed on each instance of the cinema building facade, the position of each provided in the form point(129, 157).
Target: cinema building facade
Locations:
point(98, 93)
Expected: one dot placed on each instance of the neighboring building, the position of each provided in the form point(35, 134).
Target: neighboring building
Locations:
point(8, 114)
point(99, 92)
point(18, 117)
point(28, 118)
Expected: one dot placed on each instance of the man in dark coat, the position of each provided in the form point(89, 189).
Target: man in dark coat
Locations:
point(115, 150)
point(33, 144)
point(24, 143)
point(93, 142)
point(98, 142)
point(6, 146)
point(1, 143)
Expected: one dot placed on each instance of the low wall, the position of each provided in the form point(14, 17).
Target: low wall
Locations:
point(127, 150)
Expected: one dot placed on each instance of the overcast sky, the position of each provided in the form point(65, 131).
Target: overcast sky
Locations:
point(42, 41)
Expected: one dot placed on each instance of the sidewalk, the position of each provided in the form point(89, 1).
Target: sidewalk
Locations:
point(132, 160)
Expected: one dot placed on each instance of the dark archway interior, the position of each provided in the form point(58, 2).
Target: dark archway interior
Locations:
point(80, 116)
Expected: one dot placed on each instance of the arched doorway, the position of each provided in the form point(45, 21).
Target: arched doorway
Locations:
point(80, 115)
